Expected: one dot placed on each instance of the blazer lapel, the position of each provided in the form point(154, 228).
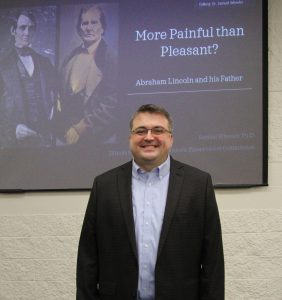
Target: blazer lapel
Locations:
point(124, 186)
point(174, 188)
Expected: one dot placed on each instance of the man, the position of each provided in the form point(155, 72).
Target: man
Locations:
point(27, 90)
point(151, 229)
point(88, 82)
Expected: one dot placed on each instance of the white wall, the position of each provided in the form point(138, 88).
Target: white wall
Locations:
point(39, 231)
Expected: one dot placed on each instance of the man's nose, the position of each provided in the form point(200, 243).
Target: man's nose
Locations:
point(89, 26)
point(27, 30)
point(149, 135)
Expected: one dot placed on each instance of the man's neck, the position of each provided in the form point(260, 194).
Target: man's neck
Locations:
point(149, 166)
point(91, 47)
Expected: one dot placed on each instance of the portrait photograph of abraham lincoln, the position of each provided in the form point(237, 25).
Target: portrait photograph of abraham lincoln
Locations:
point(28, 85)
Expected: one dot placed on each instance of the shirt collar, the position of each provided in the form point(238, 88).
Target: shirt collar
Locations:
point(161, 171)
point(92, 48)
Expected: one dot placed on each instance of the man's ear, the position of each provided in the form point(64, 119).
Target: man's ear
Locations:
point(12, 30)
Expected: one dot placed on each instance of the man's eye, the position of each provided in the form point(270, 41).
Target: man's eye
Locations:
point(157, 130)
point(141, 131)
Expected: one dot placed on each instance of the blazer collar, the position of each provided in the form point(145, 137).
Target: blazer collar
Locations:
point(124, 187)
point(173, 194)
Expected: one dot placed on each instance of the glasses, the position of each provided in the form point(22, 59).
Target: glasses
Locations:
point(143, 131)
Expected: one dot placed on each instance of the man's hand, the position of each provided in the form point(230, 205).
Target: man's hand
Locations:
point(22, 132)
point(73, 134)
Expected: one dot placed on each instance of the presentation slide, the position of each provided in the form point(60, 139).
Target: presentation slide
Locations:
point(72, 74)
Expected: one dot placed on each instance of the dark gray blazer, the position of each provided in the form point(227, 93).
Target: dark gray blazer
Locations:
point(190, 262)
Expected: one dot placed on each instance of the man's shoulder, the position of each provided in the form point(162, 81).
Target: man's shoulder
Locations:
point(77, 50)
point(126, 167)
point(188, 169)
point(40, 57)
point(7, 58)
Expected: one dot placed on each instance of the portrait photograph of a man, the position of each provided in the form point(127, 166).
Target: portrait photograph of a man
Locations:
point(28, 85)
point(88, 73)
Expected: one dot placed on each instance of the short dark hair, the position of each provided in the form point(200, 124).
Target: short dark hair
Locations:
point(153, 109)
point(26, 13)
point(84, 10)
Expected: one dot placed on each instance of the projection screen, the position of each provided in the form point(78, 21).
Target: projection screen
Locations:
point(66, 97)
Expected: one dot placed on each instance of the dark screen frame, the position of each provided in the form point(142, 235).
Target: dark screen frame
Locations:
point(18, 3)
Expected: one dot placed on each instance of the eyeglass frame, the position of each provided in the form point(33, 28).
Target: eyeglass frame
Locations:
point(146, 130)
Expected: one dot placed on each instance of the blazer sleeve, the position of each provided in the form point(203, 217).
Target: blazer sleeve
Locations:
point(87, 259)
point(212, 269)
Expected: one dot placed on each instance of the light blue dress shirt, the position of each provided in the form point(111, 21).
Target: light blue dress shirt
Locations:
point(149, 193)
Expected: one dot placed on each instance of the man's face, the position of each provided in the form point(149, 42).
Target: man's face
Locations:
point(151, 150)
point(24, 31)
point(91, 27)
